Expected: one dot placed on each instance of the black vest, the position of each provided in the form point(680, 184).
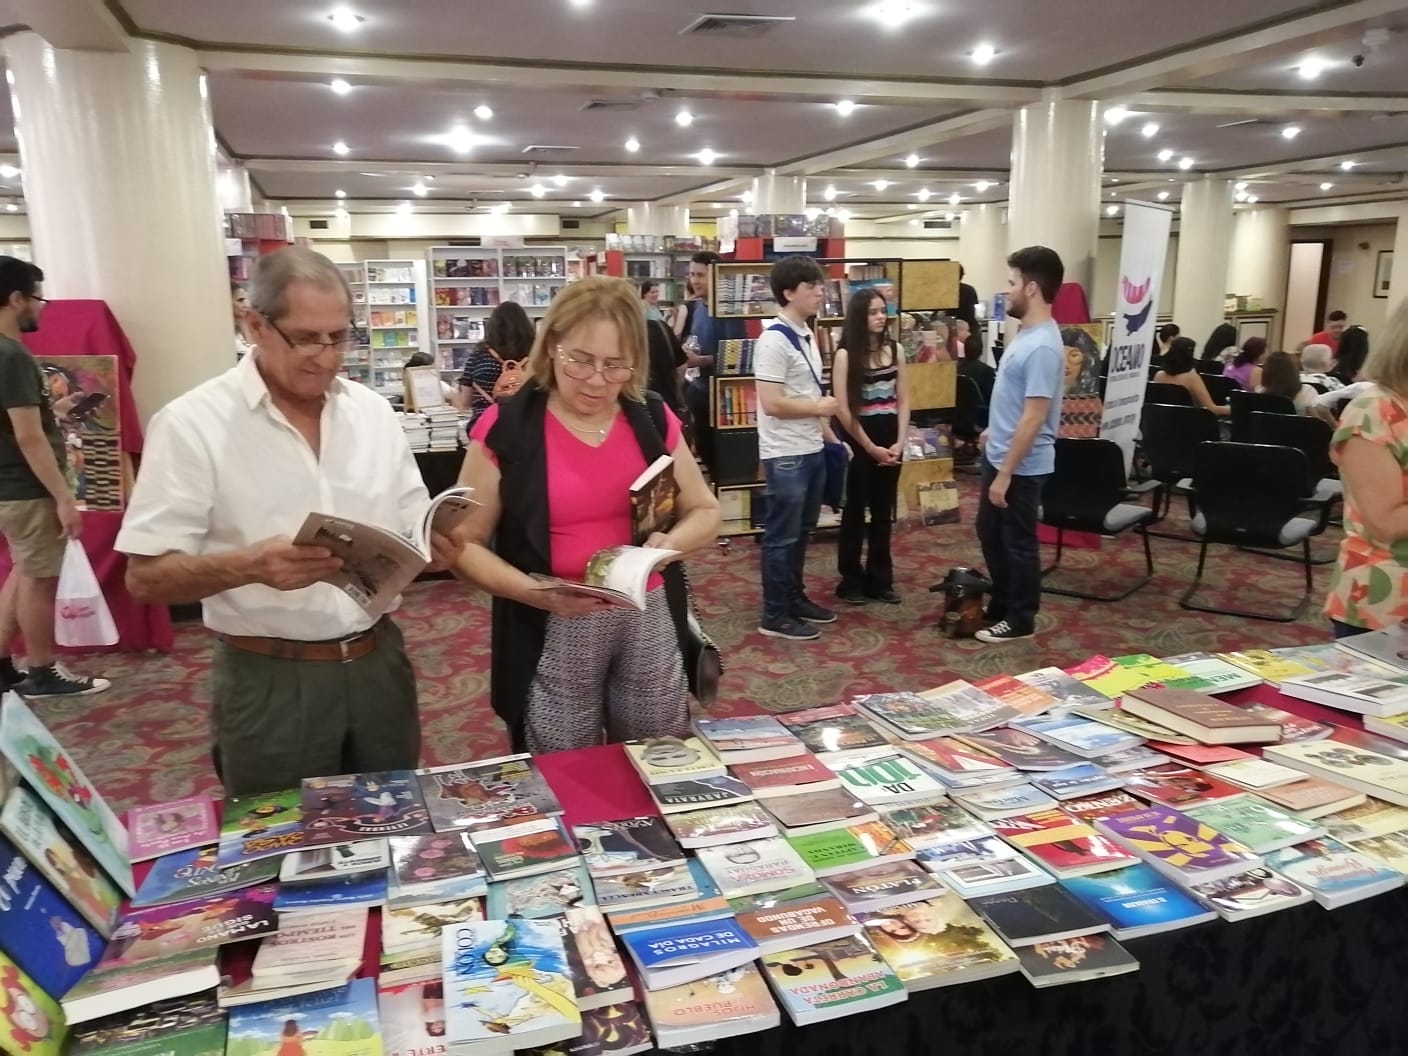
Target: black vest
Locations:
point(523, 540)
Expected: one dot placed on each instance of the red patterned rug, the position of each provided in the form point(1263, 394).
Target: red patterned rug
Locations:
point(145, 740)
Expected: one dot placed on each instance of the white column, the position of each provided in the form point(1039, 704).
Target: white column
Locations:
point(1204, 244)
point(982, 248)
point(1398, 288)
point(119, 160)
point(1058, 154)
point(648, 218)
point(778, 194)
point(1259, 262)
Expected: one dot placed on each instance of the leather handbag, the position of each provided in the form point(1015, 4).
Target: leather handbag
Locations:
point(703, 663)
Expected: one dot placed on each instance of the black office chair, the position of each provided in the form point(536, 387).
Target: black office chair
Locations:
point(1219, 386)
point(1165, 392)
point(969, 419)
point(1243, 404)
point(1089, 492)
point(1311, 437)
point(1169, 437)
point(1252, 495)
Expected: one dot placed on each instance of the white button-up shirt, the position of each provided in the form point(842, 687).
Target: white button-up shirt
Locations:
point(223, 468)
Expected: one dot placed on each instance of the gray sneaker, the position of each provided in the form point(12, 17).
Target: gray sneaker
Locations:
point(57, 681)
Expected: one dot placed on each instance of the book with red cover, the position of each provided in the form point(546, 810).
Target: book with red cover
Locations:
point(1198, 715)
point(958, 760)
point(1018, 695)
point(780, 777)
point(1177, 784)
point(1021, 749)
point(1062, 844)
point(1200, 754)
point(1091, 807)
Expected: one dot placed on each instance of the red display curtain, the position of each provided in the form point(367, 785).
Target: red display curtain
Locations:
point(88, 328)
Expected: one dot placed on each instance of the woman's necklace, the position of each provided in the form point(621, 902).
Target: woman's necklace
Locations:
point(599, 432)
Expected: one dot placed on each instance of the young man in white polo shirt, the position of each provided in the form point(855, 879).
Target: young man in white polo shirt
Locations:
point(793, 425)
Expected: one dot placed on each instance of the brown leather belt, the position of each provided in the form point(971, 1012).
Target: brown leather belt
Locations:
point(342, 650)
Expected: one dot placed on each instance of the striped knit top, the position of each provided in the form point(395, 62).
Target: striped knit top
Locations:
point(878, 390)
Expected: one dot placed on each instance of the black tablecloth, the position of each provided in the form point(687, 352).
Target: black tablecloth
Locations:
point(1301, 982)
point(439, 469)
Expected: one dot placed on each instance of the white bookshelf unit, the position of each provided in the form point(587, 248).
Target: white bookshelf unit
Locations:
point(662, 268)
point(393, 305)
point(356, 363)
point(468, 282)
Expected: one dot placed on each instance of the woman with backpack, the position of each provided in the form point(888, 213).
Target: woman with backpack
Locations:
point(508, 338)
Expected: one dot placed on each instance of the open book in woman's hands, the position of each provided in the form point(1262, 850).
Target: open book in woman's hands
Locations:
point(377, 563)
point(618, 574)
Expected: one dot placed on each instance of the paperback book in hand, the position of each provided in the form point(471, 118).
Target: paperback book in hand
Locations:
point(619, 575)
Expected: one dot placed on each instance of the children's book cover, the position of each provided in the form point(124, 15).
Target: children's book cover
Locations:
point(507, 787)
point(537, 897)
point(31, 1023)
point(146, 934)
point(358, 806)
point(65, 864)
point(339, 1022)
point(414, 927)
point(167, 827)
point(507, 979)
point(39, 930)
point(48, 769)
point(192, 874)
point(255, 827)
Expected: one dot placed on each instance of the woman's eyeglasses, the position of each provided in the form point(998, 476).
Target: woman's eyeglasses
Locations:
point(580, 369)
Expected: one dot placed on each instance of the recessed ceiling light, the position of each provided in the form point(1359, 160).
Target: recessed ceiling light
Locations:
point(706, 156)
point(537, 190)
point(830, 210)
point(1114, 179)
point(1165, 154)
point(580, 3)
point(1290, 131)
point(915, 222)
point(830, 193)
point(924, 194)
point(632, 145)
point(9, 172)
point(1345, 166)
point(843, 215)
point(1240, 196)
point(880, 185)
point(911, 205)
point(483, 112)
point(560, 179)
point(911, 161)
point(1326, 186)
point(1115, 114)
point(345, 19)
point(1112, 210)
point(893, 13)
point(340, 148)
point(955, 198)
point(404, 208)
point(1150, 129)
point(1163, 196)
point(982, 186)
point(950, 217)
point(502, 207)
point(983, 54)
point(338, 85)
point(597, 195)
point(811, 212)
point(733, 212)
point(1240, 185)
point(576, 205)
point(747, 197)
point(11, 207)
point(844, 107)
point(1185, 163)
point(1311, 68)
point(339, 193)
point(684, 119)
point(1252, 199)
point(341, 213)
point(460, 139)
point(419, 189)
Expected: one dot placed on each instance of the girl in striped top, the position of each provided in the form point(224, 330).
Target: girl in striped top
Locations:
point(868, 373)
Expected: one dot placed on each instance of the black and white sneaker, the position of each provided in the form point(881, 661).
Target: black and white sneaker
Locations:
point(57, 681)
point(1000, 632)
point(811, 612)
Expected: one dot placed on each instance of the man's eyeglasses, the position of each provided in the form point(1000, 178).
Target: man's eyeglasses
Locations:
point(579, 369)
point(308, 346)
point(36, 297)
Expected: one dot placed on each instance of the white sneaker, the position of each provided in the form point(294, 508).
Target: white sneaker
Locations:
point(828, 519)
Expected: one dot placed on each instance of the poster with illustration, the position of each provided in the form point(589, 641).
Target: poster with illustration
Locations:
point(1081, 405)
point(89, 422)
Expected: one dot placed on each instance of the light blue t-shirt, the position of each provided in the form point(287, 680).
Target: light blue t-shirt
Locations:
point(1033, 365)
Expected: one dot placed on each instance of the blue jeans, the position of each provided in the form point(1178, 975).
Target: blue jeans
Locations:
point(794, 486)
point(1008, 539)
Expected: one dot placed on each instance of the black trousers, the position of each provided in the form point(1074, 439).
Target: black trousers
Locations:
point(870, 488)
point(1008, 539)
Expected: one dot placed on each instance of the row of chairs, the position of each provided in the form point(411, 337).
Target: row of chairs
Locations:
point(1219, 388)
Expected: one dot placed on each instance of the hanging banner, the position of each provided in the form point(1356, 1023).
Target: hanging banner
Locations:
point(1145, 245)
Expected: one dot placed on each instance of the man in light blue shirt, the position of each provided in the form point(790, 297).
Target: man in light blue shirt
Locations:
point(1019, 445)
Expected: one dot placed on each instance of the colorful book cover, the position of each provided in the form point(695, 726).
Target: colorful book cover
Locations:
point(892, 882)
point(1069, 691)
point(537, 897)
point(593, 962)
point(1022, 697)
point(1038, 914)
point(1152, 670)
point(148, 934)
point(834, 977)
point(1060, 843)
point(314, 943)
point(342, 1021)
point(1076, 781)
point(759, 865)
point(1212, 671)
point(343, 859)
point(941, 939)
point(952, 757)
point(1140, 758)
point(1201, 754)
point(744, 733)
point(685, 943)
point(780, 776)
point(664, 759)
point(830, 805)
point(359, 889)
point(1266, 665)
point(1019, 748)
point(647, 887)
point(733, 824)
point(835, 728)
point(412, 1018)
point(536, 845)
point(1366, 820)
point(39, 930)
point(354, 807)
point(64, 863)
point(723, 1005)
point(1137, 900)
point(1076, 959)
point(505, 980)
point(1312, 797)
point(1176, 785)
point(992, 877)
point(443, 862)
point(185, 875)
point(115, 986)
point(1389, 850)
point(418, 927)
point(793, 921)
point(1089, 808)
point(263, 826)
point(1107, 677)
point(168, 827)
point(183, 1026)
point(890, 781)
point(1293, 727)
point(1000, 802)
point(44, 765)
point(626, 845)
point(927, 825)
point(696, 793)
point(909, 714)
point(1251, 894)
point(1331, 869)
point(975, 709)
point(508, 787)
point(1179, 842)
point(618, 1029)
point(1132, 723)
point(1381, 775)
point(31, 1022)
point(1254, 823)
point(1084, 737)
point(941, 857)
point(841, 849)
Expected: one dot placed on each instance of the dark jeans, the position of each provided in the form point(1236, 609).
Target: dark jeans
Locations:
point(1347, 630)
point(794, 486)
point(696, 398)
point(871, 488)
point(1008, 539)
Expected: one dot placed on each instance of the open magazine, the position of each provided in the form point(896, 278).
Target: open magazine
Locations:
point(378, 564)
point(618, 574)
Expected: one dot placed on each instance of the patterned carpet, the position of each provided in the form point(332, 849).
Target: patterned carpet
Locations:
point(146, 739)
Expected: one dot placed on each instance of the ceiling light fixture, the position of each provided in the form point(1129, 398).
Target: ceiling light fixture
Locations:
point(1311, 68)
point(955, 198)
point(983, 54)
point(911, 205)
point(580, 3)
point(1185, 163)
point(830, 210)
point(560, 179)
point(1165, 154)
point(911, 161)
point(1163, 196)
point(747, 197)
point(830, 193)
point(893, 13)
point(706, 156)
point(811, 212)
point(576, 205)
point(1240, 185)
point(1150, 129)
point(341, 213)
point(8, 172)
point(1115, 114)
point(684, 119)
point(11, 207)
point(1326, 186)
point(982, 186)
point(339, 193)
point(483, 112)
point(537, 190)
point(632, 145)
point(924, 194)
point(460, 139)
point(419, 189)
point(1252, 199)
point(1345, 166)
point(345, 19)
point(880, 185)
point(597, 195)
point(843, 215)
point(1290, 132)
point(404, 208)
point(1112, 210)
point(844, 107)
point(1240, 196)
point(340, 148)
point(338, 85)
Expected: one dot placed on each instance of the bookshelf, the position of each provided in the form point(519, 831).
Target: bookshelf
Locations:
point(468, 282)
point(741, 290)
point(669, 270)
point(533, 276)
point(356, 363)
point(393, 320)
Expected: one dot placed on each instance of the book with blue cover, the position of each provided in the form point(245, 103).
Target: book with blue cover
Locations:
point(39, 930)
point(506, 985)
point(1335, 873)
point(361, 889)
point(342, 1021)
point(352, 807)
point(1138, 901)
point(681, 953)
point(541, 896)
point(191, 874)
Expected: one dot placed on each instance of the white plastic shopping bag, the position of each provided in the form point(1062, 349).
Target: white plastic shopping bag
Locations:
point(81, 616)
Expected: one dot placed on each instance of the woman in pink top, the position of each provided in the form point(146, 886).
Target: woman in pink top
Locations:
point(1245, 368)
point(552, 470)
